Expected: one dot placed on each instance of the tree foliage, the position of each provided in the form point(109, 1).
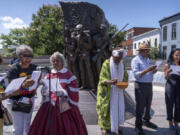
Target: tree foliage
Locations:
point(14, 38)
point(45, 34)
point(154, 53)
point(118, 36)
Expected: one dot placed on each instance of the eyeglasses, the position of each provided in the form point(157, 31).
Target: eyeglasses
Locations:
point(27, 56)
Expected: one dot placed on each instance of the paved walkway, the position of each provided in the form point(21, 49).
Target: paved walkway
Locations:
point(87, 107)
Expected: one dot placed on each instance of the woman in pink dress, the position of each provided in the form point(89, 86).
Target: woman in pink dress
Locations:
point(60, 115)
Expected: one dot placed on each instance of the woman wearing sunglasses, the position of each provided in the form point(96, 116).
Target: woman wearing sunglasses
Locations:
point(22, 117)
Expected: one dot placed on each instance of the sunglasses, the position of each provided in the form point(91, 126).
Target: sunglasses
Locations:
point(27, 56)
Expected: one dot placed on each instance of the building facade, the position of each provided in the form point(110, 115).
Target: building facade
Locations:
point(170, 31)
point(135, 31)
point(151, 37)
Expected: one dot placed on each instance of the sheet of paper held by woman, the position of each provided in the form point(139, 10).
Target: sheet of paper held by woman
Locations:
point(15, 84)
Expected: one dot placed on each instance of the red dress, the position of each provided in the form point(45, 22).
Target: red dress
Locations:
point(49, 120)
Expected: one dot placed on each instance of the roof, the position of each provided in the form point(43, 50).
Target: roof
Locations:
point(135, 28)
point(141, 28)
point(166, 18)
point(154, 30)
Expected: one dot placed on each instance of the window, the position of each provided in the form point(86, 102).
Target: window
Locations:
point(130, 35)
point(173, 32)
point(173, 47)
point(135, 46)
point(126, 37)
point(164, 33)
point(164, 52)
point(130, 47)
point(155, 42)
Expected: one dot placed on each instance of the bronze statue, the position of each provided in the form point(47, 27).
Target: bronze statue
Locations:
point(101, 48)
point(70, 45)
point(87, 43)
point(84, 47)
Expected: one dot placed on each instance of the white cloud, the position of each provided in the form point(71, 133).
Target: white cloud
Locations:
point(8, 22)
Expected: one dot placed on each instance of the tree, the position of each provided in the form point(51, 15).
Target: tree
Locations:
point(116, 42)
point(14, 38)
point(45, 34)
point(154, 53)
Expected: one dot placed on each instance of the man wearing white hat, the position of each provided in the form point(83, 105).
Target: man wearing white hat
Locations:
point(143, 72)
point(110, 98)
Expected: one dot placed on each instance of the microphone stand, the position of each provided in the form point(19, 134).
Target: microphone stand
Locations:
point(49, 119)
point(48, 70)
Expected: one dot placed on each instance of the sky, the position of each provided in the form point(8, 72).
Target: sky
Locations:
point(137, 13)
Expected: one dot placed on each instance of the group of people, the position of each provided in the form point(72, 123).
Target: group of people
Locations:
point(110, 98)
point(59, 112)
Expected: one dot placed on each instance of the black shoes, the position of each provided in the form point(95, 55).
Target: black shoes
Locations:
point(139, 131)
point(146, 123)
point(149, 124)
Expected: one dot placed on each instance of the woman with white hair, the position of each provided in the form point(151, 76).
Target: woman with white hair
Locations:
point(59, 113)
point(22, 117)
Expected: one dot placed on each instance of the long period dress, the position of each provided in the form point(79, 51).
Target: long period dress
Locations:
point(49, 120)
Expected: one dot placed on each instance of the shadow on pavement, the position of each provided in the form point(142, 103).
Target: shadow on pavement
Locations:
point(159, 131)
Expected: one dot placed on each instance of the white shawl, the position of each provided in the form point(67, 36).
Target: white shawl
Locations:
point(117, 107)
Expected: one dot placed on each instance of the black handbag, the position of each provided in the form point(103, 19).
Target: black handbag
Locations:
point(21, 107)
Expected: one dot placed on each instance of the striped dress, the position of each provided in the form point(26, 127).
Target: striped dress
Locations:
point(49, 120)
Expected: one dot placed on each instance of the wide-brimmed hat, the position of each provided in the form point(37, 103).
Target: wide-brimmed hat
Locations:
point(143, 46)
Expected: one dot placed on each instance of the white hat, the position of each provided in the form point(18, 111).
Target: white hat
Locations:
point(116, 53)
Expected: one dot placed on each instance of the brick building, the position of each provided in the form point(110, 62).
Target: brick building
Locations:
point(135, 31)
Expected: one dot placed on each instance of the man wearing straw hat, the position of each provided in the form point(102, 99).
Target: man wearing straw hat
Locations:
point(143, 72)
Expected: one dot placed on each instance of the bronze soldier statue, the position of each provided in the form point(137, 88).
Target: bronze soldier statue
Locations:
point(84, 47)
point(73, 62)
point(101, 49)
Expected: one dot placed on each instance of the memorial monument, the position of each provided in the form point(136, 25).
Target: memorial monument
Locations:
point(86, 41)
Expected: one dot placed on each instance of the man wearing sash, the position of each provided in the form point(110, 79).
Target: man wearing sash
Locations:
point(110, 98)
